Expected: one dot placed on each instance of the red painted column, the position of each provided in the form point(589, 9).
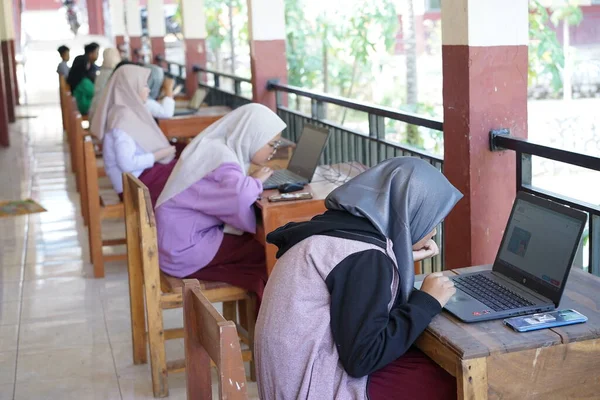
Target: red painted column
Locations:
point(14, 78)
point(195, 54)
point(267, 48)
point(95, 17)
point(485, 88)
point(9, 82)
point(135, 44)
point(158, 47)
point(122, 45)
point(4, 135)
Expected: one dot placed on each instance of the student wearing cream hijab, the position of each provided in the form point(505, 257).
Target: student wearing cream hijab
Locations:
point(111, 57)
point(132, 142)
point(208, 190)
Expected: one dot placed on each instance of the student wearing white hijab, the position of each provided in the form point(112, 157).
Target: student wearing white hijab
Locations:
point(208, 189)
point(110, 58)
point(165, 107)
point(132, 142)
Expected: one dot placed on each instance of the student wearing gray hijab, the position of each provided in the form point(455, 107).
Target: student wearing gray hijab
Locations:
point(165, 107)
point(339, 314)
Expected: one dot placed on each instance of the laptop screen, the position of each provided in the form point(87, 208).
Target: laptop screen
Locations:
point(308, 151)
point(539, 245)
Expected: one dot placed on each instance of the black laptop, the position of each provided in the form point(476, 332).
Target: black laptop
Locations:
point(305, 159)
point(531, 268)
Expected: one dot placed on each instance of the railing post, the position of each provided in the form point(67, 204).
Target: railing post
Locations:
point(318, 110)
point(237, 87)
point(594, 243)
point(376, 131)
point(524, 170)
point(217, 80)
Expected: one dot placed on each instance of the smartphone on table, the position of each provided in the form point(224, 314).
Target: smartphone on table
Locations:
point(550, 319)
point(290, 197)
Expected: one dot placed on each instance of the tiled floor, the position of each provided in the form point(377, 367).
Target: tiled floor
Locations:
point(63, 334)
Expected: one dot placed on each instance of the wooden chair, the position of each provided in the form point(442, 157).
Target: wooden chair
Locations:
point(62, 90)
point(190, 126)
point(151, 292)
point(97, 210)
point(208, 336)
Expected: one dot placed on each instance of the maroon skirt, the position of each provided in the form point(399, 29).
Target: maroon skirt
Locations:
point(414, 376)
point(240, 261)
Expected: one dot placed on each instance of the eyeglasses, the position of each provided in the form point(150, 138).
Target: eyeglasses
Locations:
point(275, 145)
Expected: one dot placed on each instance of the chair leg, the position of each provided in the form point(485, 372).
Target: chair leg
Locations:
point(138, 315)
point(230, 310)
point(156, 340)
point(250, 316)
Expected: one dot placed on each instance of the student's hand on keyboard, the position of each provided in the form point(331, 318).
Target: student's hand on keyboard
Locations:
point(263, 174)
point(439, 287)
point(430, 249)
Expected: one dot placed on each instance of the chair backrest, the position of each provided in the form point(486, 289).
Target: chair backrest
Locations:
point(77, 137)
point(208, 336)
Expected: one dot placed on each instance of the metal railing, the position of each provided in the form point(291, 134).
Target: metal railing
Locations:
point(224, 89)
point(175, 69)
point(501, 140)
point(347, 144)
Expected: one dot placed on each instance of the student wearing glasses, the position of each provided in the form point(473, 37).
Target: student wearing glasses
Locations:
point(205, 214)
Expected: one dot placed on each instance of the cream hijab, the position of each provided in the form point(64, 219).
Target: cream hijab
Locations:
point(121, 107)
point(235, 138)
point(110, 58)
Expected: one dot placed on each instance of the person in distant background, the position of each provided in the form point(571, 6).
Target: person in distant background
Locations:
point(158, 83)
point(65, 55)
point(110, 59)
point(92, 52)
point(82, 87)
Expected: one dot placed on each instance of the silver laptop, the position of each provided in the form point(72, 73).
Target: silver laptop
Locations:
point(305, 159)
point(531, 268)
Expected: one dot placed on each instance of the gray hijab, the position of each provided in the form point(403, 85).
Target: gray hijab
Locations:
point(404, 198)
point(157, 76)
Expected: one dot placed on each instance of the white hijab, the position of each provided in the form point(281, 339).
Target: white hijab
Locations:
point(235, 138)
point(121, 107)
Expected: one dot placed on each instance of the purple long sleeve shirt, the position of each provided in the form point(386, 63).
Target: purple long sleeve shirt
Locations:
point(190, 225)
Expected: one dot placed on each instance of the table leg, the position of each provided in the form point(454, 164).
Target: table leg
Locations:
point(471, 380)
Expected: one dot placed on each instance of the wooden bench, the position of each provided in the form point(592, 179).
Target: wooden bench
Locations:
point(98, 209)
point(189, 126)
point(209, 336)
point(151, 292)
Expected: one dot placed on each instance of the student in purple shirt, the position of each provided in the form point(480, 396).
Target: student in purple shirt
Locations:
point(205, 214)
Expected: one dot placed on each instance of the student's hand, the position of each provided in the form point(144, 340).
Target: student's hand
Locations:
point(430, 249)
point(439, 287)
point(164, 153)
point(168, 84)
point(263, 174)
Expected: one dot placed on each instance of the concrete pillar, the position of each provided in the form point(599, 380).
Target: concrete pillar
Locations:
point(194, 33)
point(95, 12)
point(484, 54)
point(17, 9)
point(117, 17)
point(133, 21)
point(266, 26)
point(4, 135)
point(156, 27)
point(7, 47)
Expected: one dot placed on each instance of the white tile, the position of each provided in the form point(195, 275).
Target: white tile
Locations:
point(38, 309)
point(10, 291)
point(9, 335)
point(7, 391)
point(78, 362)
point(138, 386)
point(11, 274)
point(98, 387)
point(60, 287)
point(75, 269)
point(10, 312)
point(8, 361)
point(60, 334)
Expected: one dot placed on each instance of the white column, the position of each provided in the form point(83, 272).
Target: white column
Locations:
point(156, 18)
point(133, 18)
point(117, 17)
point(194, 21)
point(266, 19)
point(7, 30)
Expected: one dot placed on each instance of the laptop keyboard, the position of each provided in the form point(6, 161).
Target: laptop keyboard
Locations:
point(282, 176)
point(490, 293)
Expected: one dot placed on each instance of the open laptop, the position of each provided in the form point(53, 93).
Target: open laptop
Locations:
point(531, 268)
point(305, 159)
point(194, 104)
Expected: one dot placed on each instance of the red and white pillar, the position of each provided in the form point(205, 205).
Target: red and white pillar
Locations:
point(267, 48)
point(7, 48)
point(484, 52)
point(133, 21)
point(156, 27)
point(117, 19)
point(95, 12)
point(4, 135)
point(194, 33)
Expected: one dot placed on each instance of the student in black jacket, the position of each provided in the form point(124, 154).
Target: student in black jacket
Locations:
point(339, 315)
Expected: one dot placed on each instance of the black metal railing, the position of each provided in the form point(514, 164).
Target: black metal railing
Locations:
point(347, 144)
point(501, 140)
point(224, 89)
point(175, 69)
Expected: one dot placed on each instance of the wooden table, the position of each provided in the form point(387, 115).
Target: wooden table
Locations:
point(189, 126)
point(491, 361)
point(274, 215)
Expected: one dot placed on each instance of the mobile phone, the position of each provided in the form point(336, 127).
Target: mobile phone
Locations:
point(545, 320)
point(290, 197)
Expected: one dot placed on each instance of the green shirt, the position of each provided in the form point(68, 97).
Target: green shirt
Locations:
point(84, 93)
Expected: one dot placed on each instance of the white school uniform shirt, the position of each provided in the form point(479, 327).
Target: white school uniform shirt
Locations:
point(122, 154)
point(163, 109)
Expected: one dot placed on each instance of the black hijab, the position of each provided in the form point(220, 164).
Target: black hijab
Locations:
point(78, 71)
point(404, 198)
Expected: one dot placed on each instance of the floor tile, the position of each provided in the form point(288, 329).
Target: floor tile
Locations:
point(60, 287)
point(99, 387)
point(9, 335)
point(7, 391)
point(66, 308)
point(8, 362)
point(75, 269)
point(11, 274)
point(86, 331)
point(10, 291)
point(10, 312)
